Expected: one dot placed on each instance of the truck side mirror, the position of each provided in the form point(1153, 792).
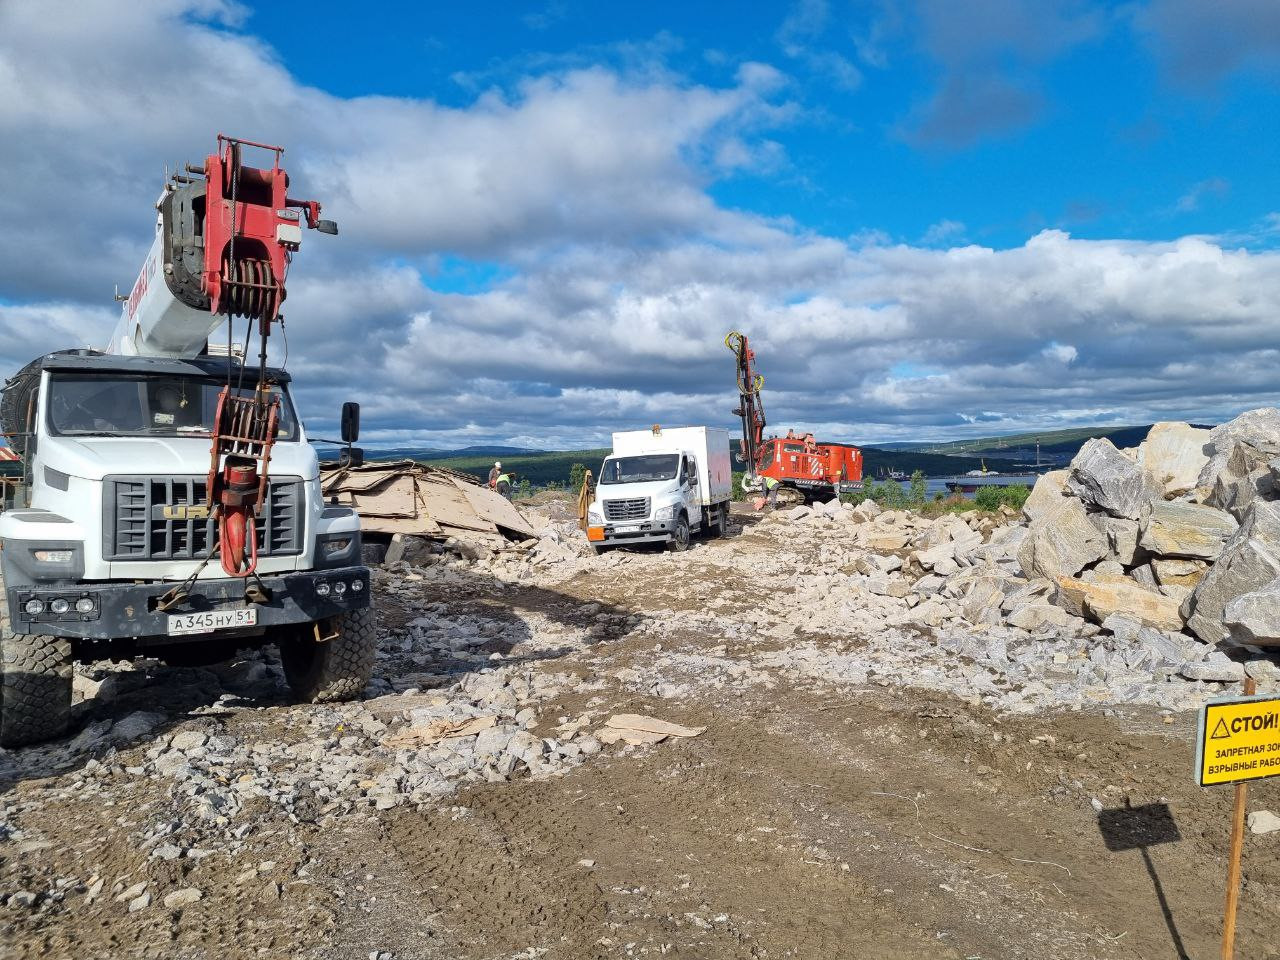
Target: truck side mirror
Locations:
point(350, 422)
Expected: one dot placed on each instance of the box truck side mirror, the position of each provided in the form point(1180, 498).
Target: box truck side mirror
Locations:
point(350, 422)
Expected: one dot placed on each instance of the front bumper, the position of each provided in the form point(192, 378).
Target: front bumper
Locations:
point(646, 531)
point(128, 610)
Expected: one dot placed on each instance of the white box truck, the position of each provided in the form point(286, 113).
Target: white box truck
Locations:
point(662, 486)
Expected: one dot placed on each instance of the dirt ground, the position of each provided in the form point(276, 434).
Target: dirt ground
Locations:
point(816, 821)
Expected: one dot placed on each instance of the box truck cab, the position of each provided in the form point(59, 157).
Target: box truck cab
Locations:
point(662, 486)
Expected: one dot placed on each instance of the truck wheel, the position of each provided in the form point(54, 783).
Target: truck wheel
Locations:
point(35, 690)
point(332, 670)
point(680, 535)
point(722, 521)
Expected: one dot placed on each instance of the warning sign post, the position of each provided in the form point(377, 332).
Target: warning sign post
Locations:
point(1238, 741)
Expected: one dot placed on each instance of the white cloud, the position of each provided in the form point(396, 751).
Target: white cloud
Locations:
point(1061, 352)
point(603, 276)
point(1193, 198)
point(942, 232)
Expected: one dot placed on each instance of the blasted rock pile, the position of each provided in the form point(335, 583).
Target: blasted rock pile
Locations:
point(1181, 534)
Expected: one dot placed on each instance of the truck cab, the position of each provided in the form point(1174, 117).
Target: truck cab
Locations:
point(107, 549)
point(661, 486)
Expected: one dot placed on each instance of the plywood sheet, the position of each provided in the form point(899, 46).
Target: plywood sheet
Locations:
point(495, 508)
point(449, 506)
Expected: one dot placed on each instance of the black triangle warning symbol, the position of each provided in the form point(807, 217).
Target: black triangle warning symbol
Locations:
point(1220, 732)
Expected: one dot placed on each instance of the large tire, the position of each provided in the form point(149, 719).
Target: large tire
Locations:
point(35, 689)
point(337, 669)
point(722, 521)
point(680, 536)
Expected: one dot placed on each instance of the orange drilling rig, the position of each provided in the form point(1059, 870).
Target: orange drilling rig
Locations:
point(797, 461)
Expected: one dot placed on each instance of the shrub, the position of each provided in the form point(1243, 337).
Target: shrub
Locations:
point(577, 473)
point(993, 498)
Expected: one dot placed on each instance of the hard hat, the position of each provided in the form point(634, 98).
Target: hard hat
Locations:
point(496, 463)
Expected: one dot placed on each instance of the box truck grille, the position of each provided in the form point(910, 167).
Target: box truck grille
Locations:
point(159, 518)
point(637, 509)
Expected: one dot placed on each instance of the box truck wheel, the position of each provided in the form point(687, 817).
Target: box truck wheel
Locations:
point(35, 691)
point(680, 535)
point(722, 521)
point(335, 668)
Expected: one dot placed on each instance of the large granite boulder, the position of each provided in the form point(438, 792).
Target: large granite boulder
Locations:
point(1122, 537)
point(1237, 471)
point(1108, 595)
point(1244, 478)
point(1103, 476)
point(1047, 496)
point(1254, 617)
point(1172, 529)
point(1061, 543)
point(1250, 559)
point(1174, 454)
point(1178, 572)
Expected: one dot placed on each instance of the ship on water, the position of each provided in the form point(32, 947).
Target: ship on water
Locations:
point(970, 482)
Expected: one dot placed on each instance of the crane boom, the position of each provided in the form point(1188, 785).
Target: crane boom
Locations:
point(225, 233)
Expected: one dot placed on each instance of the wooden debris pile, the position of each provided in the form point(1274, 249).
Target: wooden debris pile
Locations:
point(412, 499)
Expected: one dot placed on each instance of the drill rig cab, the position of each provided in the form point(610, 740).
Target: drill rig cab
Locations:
point(170, 503)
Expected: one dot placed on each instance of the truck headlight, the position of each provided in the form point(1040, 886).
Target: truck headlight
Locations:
point(334, 547)
point(59, 605)
point(337, 549)
point(595, 518)
point(665, 513)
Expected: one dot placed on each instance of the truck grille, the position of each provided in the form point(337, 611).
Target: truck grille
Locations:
point(637, 509)
point(146, 518)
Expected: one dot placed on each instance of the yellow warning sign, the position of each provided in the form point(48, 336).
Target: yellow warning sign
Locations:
point(1239, 740)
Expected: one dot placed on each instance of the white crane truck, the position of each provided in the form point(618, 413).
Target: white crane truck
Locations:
point(660, 487)
point(170, 502)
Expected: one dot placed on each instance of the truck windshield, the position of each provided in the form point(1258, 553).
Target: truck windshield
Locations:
point(653, 466)
point(128, 405)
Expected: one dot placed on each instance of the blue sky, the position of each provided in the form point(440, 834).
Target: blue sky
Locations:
point(934, 219)
point(1105, 138)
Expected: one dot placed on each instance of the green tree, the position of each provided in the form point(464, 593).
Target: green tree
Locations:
point(917, 488)
point(577, 473)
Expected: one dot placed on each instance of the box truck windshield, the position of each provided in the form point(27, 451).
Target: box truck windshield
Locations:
point(657, 466)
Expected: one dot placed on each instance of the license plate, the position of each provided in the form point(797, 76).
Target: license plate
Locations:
point(626, 528)
point(211, 620)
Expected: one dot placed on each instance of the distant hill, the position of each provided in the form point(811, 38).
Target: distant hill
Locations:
point(543, 467)
point(1059, 445)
